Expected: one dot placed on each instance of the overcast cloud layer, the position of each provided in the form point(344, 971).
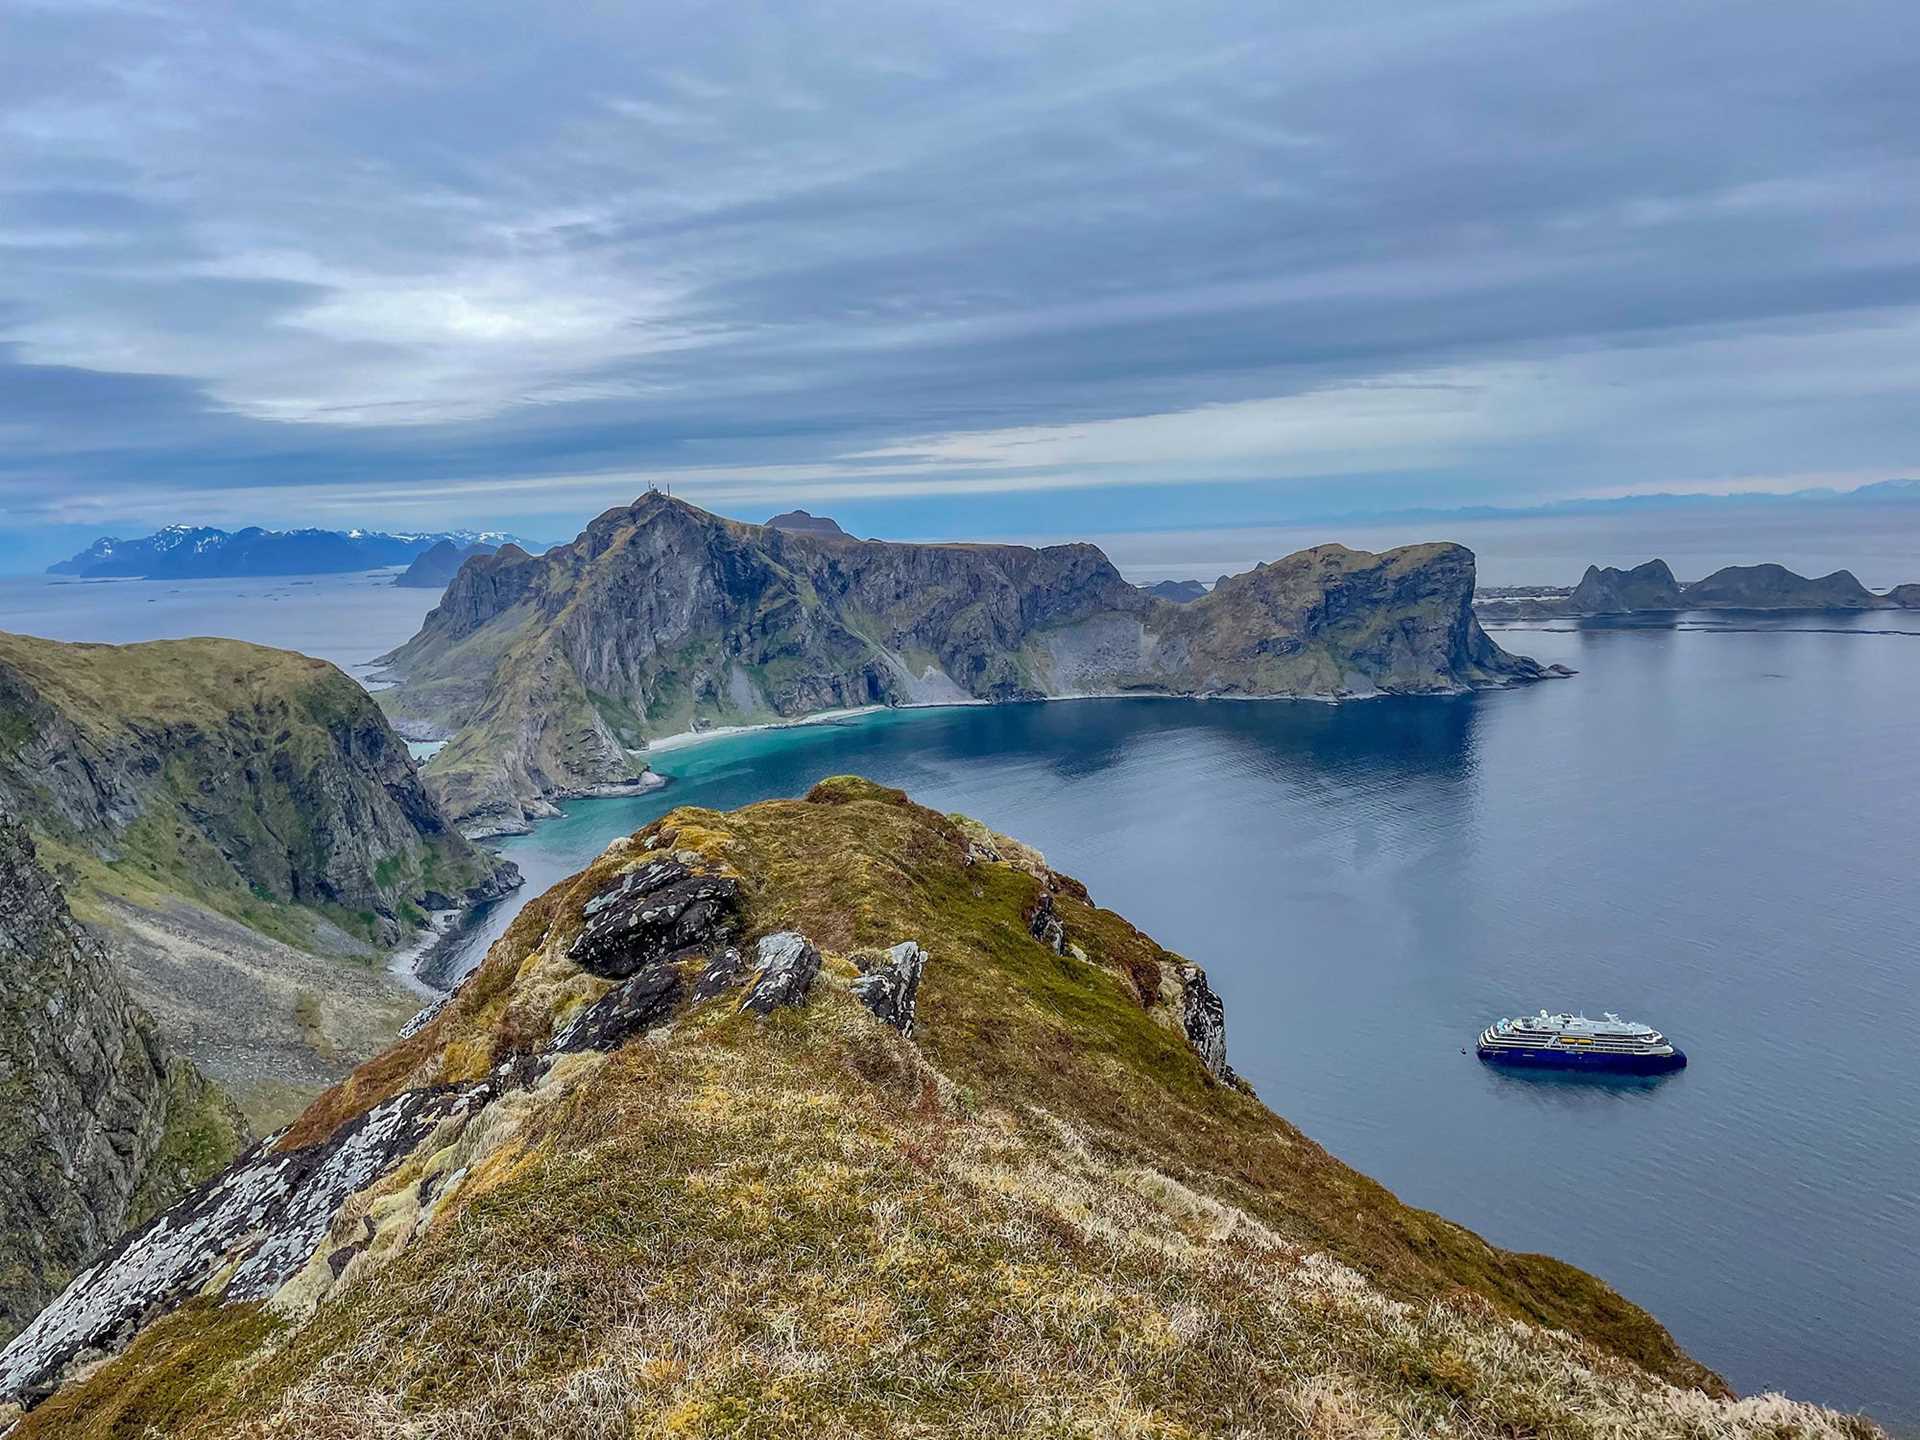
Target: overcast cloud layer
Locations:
point(1094, 264)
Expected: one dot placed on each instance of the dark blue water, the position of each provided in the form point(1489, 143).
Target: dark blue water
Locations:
point(1713, 828)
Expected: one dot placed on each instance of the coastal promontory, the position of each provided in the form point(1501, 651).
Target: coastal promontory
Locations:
point(549, 675)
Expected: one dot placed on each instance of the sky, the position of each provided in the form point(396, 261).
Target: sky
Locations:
point(944, 270)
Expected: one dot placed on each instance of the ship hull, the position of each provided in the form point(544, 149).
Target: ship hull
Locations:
point(1589, 1062)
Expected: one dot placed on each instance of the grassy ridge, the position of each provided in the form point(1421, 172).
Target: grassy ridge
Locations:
point(1041, 1216)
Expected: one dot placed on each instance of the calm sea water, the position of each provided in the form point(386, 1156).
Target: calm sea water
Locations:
point(1713, 828)
point(347, 619)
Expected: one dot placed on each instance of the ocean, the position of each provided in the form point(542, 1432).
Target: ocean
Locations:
point(1713, 827)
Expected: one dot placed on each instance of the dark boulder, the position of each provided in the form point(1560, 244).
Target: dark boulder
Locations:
point(659, 910)
point(632, 1007)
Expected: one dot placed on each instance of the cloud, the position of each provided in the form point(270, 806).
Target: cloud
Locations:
point(326, 261)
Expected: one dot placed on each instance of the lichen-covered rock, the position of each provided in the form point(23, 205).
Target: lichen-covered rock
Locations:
point(889, 985)
point(787, 962)
point(269, 1213)
point(726, 969)
point(1046, 926)
point(632, 1007)
point(1203, 1015)
point(664, 907)
point(94, 1116)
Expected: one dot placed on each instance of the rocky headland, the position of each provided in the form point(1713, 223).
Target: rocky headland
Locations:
point(434, 567)
point(548, 676)
point(834, 1114)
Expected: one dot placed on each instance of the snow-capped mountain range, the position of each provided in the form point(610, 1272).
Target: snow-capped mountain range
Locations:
point(185, 552)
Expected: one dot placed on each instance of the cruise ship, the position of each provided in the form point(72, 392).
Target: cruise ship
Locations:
point(1573, 1042)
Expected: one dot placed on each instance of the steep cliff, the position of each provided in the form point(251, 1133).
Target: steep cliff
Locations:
point(249, 832)
point(259, 781)
point(832, 1116)
point(548, 674)
point(98, 1125)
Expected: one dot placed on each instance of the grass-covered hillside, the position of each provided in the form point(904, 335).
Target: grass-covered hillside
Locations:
point(835, 1116)
point(248, 831)
point(260, 782)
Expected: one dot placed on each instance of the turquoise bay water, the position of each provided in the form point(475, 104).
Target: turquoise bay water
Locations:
point(1713, 828)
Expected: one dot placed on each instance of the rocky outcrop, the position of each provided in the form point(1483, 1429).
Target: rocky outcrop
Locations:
point(1203, 1015)
point(594, 1172)
point(787, 964)
point(97, 1122)
point(655, 913)
point(235, 775)
point(889, 985)
point(551, 674)
point(265, 1217)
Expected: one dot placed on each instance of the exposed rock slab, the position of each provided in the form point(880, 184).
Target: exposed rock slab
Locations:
point(665, 907)
point(787, 962)
point(272, 1209)
point(889, 986)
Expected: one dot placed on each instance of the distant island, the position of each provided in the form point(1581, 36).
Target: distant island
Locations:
point(1652, 588)
point(435, 567)
point(1180, 592)
point(806, 524)
point(197, 552)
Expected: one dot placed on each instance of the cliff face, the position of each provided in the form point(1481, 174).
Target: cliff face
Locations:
point(548, 673)
point(833, 1114)
point(253, 780)
point(98, 1126)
